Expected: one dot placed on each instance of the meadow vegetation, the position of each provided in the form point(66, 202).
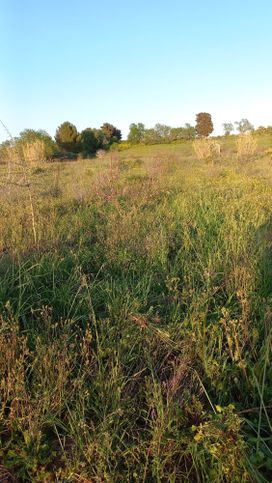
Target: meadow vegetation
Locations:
point(135, 316)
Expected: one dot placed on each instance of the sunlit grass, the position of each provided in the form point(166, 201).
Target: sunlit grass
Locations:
point(136, 331)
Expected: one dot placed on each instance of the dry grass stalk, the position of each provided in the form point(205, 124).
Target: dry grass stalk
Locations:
point(106, 183)
point(19, 161)
point(34, 152)
point(100, 153)
point(206, 149)
point(180, 371)
point(13, 159)
point(246, 145)
point(140, 321)
point(6, 476)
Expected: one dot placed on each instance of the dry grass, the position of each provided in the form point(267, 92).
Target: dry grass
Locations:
point(34, 153)
point(206, 149)
point(246, 145)
point(135, 335)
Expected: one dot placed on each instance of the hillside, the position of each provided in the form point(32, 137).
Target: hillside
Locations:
point(136, 302)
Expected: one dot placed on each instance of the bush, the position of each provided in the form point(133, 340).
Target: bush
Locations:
point(124, 145)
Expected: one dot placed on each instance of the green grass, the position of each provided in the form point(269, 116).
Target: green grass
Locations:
point(135, 334)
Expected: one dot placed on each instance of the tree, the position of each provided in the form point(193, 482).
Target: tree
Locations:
point(182, 133)
point(189, 132)
point(101, 141)
point(136, 133)
point(261, 130)
point(111, 133)
point(176, 134)
point(228, 128)
point(162, 133)
point(150, 136)
point(68, 138)
point(88, 141)
point(244, 126)
point(204, 125)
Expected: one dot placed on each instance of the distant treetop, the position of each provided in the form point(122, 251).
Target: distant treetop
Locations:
point(244, 126)
point(204, 125)
point(111, 133)
point(67, 137)
point(228, 128)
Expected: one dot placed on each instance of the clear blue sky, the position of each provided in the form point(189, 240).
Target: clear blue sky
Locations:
point(124, 61)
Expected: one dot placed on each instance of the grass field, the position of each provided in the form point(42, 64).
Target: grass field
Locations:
point(135, 336)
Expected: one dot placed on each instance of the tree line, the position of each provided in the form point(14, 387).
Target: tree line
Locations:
point(161, 133)
point(69, 142)
point(88, 141)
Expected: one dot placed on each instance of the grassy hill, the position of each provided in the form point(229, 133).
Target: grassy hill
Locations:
point(135, 329)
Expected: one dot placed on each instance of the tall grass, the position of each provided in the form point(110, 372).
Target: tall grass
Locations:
point(135, 341)
point(206, 149)
point(246, 145)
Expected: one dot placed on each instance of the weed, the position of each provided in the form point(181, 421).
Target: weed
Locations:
point(135, 336)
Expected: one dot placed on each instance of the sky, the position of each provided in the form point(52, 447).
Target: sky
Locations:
point(124, 61)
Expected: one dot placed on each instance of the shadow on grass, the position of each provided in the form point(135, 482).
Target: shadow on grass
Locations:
point(264, 242)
